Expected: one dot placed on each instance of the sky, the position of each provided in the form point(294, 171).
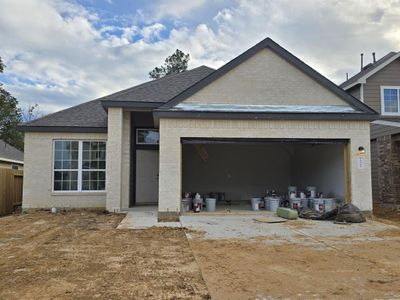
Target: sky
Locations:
point(62, 53)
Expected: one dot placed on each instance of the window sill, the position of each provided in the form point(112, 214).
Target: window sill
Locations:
point(87, 193)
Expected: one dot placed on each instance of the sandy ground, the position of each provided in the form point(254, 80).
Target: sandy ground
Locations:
point(387, 215)
point(80, 255)
point(356, 266)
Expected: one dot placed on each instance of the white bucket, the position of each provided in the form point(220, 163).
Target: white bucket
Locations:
point(292, 189)
point(255, 204)
point(186, 204)
point(295, 203)
point(210, 204)
point(319, 204)
point(197, 204)
point(304, 202)
point(266, 203)
point(311, 203)
point(274, 203)
point(330, 204)
point(312, 190)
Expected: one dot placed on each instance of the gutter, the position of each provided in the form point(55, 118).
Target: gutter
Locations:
point(27, 128)
point(12, 161)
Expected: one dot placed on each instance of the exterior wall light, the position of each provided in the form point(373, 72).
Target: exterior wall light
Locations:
point(361, 150)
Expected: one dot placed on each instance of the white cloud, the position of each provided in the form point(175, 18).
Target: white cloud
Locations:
point(175, 8)
point(59, 53)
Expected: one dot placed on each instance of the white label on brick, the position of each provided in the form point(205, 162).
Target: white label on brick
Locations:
point(361, 162)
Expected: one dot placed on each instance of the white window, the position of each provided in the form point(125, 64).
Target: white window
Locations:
point(79, 166)
point(390, 96)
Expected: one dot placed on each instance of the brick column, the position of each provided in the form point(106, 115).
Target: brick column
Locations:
point(169, 175)
point(385, 169)
point(114, 159)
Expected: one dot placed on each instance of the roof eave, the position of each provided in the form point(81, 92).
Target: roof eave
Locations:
point(130, 104)
point(75, 129)
point(20, 162)
point(264, 116)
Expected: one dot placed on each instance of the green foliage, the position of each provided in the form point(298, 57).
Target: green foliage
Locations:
point(176, 63)
point(10, 117)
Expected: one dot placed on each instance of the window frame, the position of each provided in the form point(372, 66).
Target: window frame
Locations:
point(80, 169)
point(137, 143)
point(387, 87)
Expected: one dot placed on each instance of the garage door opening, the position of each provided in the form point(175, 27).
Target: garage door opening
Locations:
point(245, 168)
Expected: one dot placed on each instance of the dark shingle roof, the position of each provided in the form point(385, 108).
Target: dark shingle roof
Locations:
point(368, 69)
point(86, 115)
point(161, 90)
point(9, 152)
point(91, 116)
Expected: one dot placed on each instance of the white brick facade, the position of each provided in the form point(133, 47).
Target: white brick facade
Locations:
point(266, 78)
point(38, 177)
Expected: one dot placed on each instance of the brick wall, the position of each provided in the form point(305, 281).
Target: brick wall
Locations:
point(388, 162)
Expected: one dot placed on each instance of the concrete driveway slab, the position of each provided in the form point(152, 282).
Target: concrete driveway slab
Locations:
point(293, 231)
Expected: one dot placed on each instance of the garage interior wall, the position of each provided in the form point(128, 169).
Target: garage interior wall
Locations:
point(243, 171)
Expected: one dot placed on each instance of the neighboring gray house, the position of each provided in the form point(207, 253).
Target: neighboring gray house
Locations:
point(378, 85)
point(11, 157)
point(263, 120)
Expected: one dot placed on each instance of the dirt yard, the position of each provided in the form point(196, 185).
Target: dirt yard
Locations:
point(81, 255)
point(248, 270)
point(387, 215)
point(339, 268)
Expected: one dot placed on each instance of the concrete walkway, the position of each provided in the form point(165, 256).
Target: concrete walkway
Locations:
point(144, 217)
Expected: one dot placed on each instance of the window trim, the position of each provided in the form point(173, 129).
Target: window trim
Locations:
point(146, 144)
point(383, 88)
point(80, 152)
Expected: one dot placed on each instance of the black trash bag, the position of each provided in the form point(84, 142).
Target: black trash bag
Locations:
point(307, 213)
point(350, 213)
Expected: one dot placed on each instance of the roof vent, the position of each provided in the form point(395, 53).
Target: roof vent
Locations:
point(362, 61)
point(373, 57)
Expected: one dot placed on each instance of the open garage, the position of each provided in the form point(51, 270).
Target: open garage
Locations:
point(241, 169)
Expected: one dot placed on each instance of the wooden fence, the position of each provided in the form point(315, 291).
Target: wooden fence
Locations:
point(10, 190)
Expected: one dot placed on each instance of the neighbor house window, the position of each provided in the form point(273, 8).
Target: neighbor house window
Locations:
point(147, 136)
point(390, 100)
point(79, 166)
